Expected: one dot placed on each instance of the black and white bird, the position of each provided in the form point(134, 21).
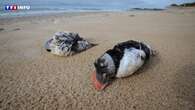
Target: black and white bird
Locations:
point(121, 61)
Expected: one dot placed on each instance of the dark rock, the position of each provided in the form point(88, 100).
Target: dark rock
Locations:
point(1, 29)
point(16, 29)
point(131, 15)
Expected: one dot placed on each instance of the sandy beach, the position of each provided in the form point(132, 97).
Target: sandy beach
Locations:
point(31, 78)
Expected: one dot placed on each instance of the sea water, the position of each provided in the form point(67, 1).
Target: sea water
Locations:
point(41, 7)
point(50, 7)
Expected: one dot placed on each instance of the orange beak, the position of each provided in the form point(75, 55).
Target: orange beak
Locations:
point(98, 85)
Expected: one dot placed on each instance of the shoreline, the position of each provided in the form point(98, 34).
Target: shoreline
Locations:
point(59, 12)
point(77, 13)
point(49, 16)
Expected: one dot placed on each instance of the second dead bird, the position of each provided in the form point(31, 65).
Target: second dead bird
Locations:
point(67, 44)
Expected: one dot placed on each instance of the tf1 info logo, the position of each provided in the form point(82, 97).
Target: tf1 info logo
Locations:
point(17, 7)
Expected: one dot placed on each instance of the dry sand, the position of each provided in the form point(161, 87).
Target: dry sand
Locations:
point(31, 78)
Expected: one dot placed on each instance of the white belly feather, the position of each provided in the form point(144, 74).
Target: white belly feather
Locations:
point(130, 62)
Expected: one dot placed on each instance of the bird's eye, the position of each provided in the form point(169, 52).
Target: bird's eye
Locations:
point(102, 64)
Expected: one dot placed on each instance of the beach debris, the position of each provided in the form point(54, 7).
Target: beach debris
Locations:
point(16, 29)
point(131, 15)
point(1, 29)
point(121, 61)
point(67, 44)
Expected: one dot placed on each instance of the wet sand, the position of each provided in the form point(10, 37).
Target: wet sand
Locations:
point(31, 78)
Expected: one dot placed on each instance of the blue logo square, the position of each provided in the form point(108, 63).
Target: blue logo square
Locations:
point(7, 7)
